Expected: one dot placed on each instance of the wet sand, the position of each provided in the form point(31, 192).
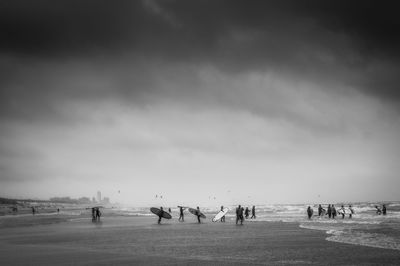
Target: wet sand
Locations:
point(141, 241)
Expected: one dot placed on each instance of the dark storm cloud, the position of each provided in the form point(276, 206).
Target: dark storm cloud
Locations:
point(350, 43)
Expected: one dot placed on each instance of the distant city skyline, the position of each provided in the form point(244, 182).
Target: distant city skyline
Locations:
point(245, 101)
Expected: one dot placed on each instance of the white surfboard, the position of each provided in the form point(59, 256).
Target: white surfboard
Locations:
point(220, 215)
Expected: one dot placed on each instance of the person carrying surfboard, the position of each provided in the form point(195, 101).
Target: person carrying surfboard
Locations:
point(223, 217)
point(342, 211)
point(198, 214)
point(253, 212)
point(351, 211)
point(239, 214)
point(160, 214)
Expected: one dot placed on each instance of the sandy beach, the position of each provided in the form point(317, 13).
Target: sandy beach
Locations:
point(58, 240)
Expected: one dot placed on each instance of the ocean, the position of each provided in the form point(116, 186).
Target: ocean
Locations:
point(365, 228)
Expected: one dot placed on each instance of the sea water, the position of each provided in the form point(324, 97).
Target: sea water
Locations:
point(366, 227)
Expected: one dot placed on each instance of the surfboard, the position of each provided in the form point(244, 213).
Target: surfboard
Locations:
point(157, 211)
point(221, 214)
point(194, 212)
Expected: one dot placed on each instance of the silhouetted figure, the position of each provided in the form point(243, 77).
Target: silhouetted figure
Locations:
point(309, 212)
point(33, 211)
point(253, 212)
point(160, 214)
point(58, 210)
point(343, 212)
point(384, 209)
point(239, 214)
point(351, 212)
point(181, 214)
point(169, 210)
point(333, 211)
point(98, 214)
point(320, 209)
point(247, 212)
point(198, 213)
point(329, 211)
point(93, 214)
point(378, 211)
point(223, 217)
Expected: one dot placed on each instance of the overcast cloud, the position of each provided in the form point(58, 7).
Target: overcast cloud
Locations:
point(289, 101)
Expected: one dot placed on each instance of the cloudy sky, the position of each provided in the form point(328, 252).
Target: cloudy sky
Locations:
point(245, 101)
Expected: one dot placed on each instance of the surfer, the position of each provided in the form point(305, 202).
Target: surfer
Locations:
point(384, 209)
point(333, 211)
point(319, 210)
point(351, 211)
point(239, 214)
point(33, 210)
point(253, 212)
point(181, 214)
point(329, 211)
point(223, 217)
point(160, 214)
point(378, 211)
point(198, 214)
point(342, 211)
point(247, 212)
point(309, 212)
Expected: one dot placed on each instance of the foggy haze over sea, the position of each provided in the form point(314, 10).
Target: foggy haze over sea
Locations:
point(244, 101)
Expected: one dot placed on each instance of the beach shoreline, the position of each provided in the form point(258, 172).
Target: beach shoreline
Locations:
point(141, 241)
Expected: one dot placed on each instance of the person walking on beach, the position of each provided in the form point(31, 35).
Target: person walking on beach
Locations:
point(253, 212)
point(333, 211)
point(309, 212)
point(384, 209)
point(93, 214)
point(160, 214)
point(351, 212)
point(329, 211)
point(223, 217)
point(181, 214)
point(247, 212)
point(98, 214)
point(239, 214)
point(198, 214)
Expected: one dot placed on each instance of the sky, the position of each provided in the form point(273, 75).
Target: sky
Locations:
point(203, 102)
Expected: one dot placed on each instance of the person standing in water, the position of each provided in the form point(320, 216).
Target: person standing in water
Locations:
point(247, 212)
point(333, 211)
point(160, 214)
point(319, 210)
point(253, 212)
point(181, 214)
point(33, 210)
point(223, 217)
point(384, 209)
point(342, 211)
point(378, 211)
point(309, 212)
point(351, 212)
point(329, 211)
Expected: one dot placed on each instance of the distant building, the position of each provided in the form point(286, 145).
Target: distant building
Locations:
point(98, 196)
point(106, 200)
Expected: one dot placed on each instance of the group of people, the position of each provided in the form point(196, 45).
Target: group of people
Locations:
point(380, 211)
point(332, 212)
point(96, 214)
point(239, 214)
